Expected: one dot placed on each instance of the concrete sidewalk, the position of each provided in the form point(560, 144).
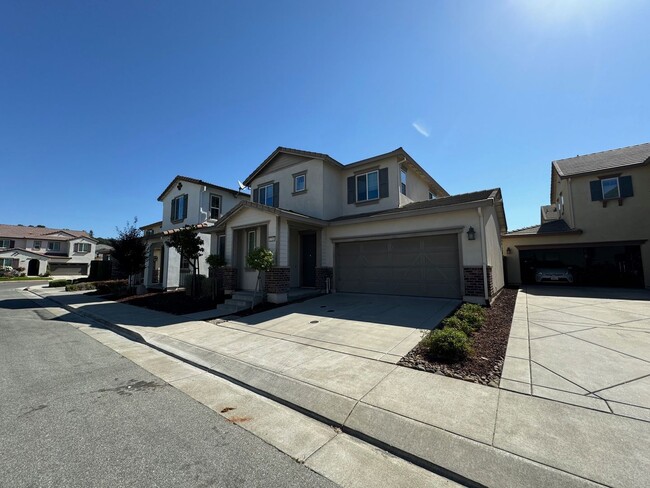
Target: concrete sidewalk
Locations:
point(488, 436)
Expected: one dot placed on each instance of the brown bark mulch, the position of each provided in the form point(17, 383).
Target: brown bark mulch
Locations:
point(489, 343)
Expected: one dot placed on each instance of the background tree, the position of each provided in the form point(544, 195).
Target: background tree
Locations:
point(189, 245)
point(129, 250)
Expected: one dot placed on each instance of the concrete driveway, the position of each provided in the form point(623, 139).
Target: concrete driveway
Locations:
point(585, 346)
point(382, 327)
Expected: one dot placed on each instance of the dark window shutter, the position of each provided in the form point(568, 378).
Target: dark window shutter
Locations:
point(276, 194)
point(351, 190)
point(76, 248)
point(12, 244)
point(256, 195)
point(625, 186)
point(596, 190)
point(15, 263)
point(383, 183)
point(184, 206)
point(174, 204)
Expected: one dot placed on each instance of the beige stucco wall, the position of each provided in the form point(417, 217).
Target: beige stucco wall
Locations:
point(392, 201)
point(493, 246)
point(417, 189)
point(24, 259)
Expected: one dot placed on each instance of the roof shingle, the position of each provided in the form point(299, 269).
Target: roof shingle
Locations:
point(603, 161)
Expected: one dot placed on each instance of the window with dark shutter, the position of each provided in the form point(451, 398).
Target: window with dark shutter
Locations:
point(383, 183)
point(596, 191)
point(276, 194)
point(256, 196)
point(351, 190)
point(625, 185)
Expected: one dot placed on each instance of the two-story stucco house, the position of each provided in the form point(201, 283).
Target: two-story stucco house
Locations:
point(380, 225)
point(67, 252)
point(186, 201)
point(595, 230)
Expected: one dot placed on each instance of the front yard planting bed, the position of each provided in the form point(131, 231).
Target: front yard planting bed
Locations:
point(174, 302)
point(489, 345)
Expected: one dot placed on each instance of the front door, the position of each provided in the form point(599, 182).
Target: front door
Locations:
point(32, 268)
point(308, 259)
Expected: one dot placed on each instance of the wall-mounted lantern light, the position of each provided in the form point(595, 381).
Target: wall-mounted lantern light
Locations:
point(179, 186)
point(471, 234)
point(508, 251)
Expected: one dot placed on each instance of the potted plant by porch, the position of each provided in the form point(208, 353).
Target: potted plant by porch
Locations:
point(259, 259)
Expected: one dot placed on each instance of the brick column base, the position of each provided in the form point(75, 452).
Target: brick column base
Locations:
point(276, 284)
point(229, 280)
point(474, 284)
point(321, 278)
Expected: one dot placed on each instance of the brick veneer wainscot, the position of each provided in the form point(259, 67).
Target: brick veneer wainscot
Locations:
point(474, 286)
point(230, 278)
point(277, 279)
point(321, 276)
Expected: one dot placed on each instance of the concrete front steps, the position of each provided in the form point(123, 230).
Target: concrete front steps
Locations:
point(241, 300)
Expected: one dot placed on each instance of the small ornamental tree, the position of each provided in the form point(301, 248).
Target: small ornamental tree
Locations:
point(190, 246)
point(129, 250)
point(259, 259)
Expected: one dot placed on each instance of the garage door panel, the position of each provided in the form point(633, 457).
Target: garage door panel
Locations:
point(416, 266)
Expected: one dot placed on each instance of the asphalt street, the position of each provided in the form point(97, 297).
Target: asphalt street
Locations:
point(75, 413)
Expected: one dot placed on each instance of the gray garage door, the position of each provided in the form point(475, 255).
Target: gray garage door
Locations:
point(68, 269)
point(416, 266)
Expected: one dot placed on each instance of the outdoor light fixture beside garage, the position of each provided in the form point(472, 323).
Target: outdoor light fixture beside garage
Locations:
point(471, 234)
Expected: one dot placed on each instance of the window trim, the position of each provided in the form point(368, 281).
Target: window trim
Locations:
point(266, 197)
point(402, 181)
point(3, 242)
point(214, 195)
point(183, 216)
point(53, 246)
point(356, 186)
point(248, 241)
point(221, 237)
point(618, 187)
point(302, 175)
point(80, 247)
point(34, 246)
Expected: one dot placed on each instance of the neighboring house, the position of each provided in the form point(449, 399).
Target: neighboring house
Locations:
point(103, 252)
point(67, 252)
point(596, 229)
point(186, 201)
point(380, 225)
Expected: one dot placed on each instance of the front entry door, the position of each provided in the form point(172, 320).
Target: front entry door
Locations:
point(32, 269)
point(308, 260)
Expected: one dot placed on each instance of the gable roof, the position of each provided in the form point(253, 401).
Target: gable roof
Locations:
point(603, 161)
point(553, 227)
point(27, 232)
point(295, 152)
point(196, 181)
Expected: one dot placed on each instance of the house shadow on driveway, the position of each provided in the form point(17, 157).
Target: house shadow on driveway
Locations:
point(378, 326)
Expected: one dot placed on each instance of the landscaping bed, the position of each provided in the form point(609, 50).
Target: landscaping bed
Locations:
point(485, 362)
point(174, 302)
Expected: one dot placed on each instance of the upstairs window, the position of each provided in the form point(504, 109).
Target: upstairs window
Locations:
point(266, 195)
point(179, 208)
point(82, 247)
point(148, 232)
point(215, 206)
point(368, 186)
point(6, 243)
point(37, 245)
point(53, 246)
point(611, 188)
point(402, 181)
point(299, 183)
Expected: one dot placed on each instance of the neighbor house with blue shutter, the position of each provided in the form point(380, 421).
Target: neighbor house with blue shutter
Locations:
point(596, 228)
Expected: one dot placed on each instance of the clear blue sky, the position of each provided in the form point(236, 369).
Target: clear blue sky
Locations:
point(102, 103)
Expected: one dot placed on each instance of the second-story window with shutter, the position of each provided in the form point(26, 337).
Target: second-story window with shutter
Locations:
point(179, 208)
point(215, 206)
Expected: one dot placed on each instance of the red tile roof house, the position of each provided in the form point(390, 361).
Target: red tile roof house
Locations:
point(67, 252)
point(379, 225)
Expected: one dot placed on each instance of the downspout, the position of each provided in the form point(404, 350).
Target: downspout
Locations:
point(486, 292)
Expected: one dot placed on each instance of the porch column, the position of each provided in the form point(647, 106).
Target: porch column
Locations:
point(282, 242)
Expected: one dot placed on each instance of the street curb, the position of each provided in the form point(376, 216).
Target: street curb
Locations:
point(503, 469)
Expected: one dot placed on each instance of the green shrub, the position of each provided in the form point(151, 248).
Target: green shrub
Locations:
point(59, 283)
point(472, 314)
point(112, 287)
point(458, 324)
point(447, 344)
point(80, 287)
